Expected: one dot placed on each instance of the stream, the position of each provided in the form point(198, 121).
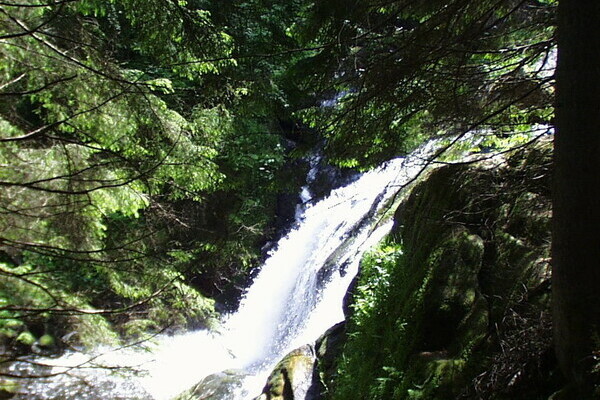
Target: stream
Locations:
point(294, 299)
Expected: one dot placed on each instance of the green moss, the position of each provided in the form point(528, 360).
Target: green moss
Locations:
point(471, 247)
point(46, 340)
point(10, 328)
point(26, 338)
point(137, 327)
point(93, 330)
point(11, 323)
point(8, 388)
point(7, 333)
point(436, 378)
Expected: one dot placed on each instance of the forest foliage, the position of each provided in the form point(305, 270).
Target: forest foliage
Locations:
point(455, 303)
point(139, 152)
point(408, 70)
point(143, 143)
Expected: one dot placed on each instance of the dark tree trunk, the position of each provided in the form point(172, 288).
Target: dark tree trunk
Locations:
point(576, 199)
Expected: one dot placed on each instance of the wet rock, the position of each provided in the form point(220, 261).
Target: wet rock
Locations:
point(329, 178)
point(327, 348)
point(292, 377)
point(45, 345)
point(220, 386)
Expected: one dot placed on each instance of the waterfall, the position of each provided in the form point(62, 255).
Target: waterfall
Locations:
point(295, 297)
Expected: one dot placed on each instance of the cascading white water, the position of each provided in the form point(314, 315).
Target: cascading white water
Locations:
point(296, 296)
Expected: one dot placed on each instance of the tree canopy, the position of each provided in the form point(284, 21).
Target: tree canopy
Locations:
point(404, 71)
point(124, 124)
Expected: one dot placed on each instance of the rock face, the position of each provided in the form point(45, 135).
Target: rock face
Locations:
point(292, 377)
point(456, 303)
point(328, 347)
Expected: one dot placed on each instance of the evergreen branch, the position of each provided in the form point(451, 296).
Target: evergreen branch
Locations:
point(37, 90)
point(29, 5)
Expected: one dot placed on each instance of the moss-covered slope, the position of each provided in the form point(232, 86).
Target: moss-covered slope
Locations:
point(455, 303)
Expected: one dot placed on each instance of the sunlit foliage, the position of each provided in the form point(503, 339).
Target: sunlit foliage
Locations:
point(413, 69)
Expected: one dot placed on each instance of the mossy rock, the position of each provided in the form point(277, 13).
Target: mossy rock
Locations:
point(438, 377)
point(219, 386)
point(7, 334)
point(26, 338)
point(292, 377)
point(46, 341)
point(328, 348)
point(473, 280)
point(8, 388)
